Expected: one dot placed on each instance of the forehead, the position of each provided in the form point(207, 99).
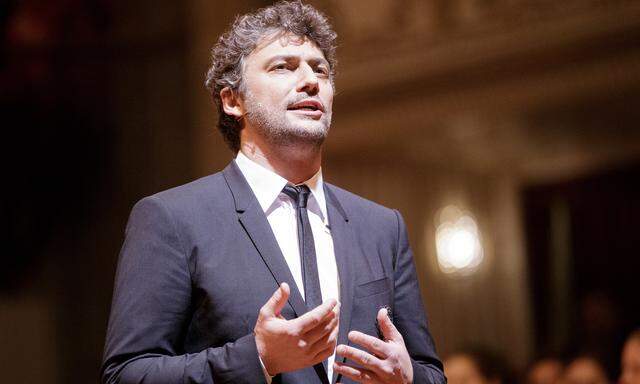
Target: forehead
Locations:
point(285, 44)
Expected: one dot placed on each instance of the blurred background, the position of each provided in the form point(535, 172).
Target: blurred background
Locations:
point(505, 131)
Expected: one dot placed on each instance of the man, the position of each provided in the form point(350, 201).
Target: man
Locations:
point(630, 360)
point(256, 273)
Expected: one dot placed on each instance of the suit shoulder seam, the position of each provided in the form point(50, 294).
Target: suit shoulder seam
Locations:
point(398, 234)
point(175, 230)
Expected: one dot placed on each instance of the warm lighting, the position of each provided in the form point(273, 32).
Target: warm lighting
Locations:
point(458, 242)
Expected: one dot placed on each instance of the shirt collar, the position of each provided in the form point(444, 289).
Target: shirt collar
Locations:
point(316, 186)
point(267, 185)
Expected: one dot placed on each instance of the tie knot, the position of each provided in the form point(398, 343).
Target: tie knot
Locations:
point(299, 194)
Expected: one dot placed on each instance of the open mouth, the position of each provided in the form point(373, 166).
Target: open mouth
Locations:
point(307, 106)
point(303, 109)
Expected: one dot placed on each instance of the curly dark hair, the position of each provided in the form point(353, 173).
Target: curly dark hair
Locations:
point(227, 56)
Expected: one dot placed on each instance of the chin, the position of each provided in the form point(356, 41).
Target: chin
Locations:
point(315, 129)
point(310, 125)
point(314, 133)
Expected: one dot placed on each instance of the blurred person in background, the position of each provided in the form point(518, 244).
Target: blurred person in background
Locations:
point(546, 370)
point(476, 366)
point(600, 332)
point(585, 370)
point(630, 361)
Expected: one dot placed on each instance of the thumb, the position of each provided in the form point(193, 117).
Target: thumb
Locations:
point(389, 331)
point(277, 301)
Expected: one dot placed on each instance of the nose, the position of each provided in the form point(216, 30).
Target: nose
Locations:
point(308, 81)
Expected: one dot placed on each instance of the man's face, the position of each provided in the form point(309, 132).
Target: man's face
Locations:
point(287, 91)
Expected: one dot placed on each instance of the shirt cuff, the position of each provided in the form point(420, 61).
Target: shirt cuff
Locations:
point(267, 377)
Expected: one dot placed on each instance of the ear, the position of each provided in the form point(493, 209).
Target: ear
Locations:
point(231, 104)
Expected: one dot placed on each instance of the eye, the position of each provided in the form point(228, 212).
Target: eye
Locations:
point(281, 67)
point(322, 70)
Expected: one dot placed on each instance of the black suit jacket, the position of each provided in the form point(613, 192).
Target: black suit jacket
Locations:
point(200, 260)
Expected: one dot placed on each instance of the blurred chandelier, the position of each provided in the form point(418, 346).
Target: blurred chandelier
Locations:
point(457, 242)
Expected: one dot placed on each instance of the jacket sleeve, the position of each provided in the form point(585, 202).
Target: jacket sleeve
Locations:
point(151, 312)
point(409, 315)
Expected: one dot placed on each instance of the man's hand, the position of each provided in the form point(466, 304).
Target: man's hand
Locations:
point(287, 345)
point(387, 362)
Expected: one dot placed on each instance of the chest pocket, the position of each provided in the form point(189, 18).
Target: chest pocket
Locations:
point(371, 288)
point(369, 297)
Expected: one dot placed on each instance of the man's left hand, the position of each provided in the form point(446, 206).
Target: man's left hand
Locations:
point(387, 362)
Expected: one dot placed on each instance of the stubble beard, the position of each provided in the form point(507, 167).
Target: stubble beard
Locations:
point(277, 129)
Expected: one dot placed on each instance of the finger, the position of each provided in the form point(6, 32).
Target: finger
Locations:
point(322, 354)
point(314, 317)
point(357, 374)
point(276, 302)
point(327, 342)
point(326, 347)
point(326, 326)
point(370, 343)
point(363, 358)
point(389, 331)
point(321, 331)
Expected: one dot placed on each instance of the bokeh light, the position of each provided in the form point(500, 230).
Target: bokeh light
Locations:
point(458, 246)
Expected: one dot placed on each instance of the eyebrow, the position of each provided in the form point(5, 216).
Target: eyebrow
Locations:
point(313, 60)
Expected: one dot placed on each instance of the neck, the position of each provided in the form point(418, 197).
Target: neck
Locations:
point(295, 162)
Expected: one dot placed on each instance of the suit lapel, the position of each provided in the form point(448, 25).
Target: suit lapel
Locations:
point(346, 250)
point(255, 223)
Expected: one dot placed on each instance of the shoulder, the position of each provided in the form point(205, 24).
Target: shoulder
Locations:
point(356, 202)
point(363, 210)
point(190, 198)
point(195, 192)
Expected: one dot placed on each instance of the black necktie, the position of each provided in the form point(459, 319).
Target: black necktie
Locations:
point(309, 264)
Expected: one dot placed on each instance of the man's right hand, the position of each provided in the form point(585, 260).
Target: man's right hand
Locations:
point(288, 345)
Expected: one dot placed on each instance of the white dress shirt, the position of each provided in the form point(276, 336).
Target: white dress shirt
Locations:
point(280, 210)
